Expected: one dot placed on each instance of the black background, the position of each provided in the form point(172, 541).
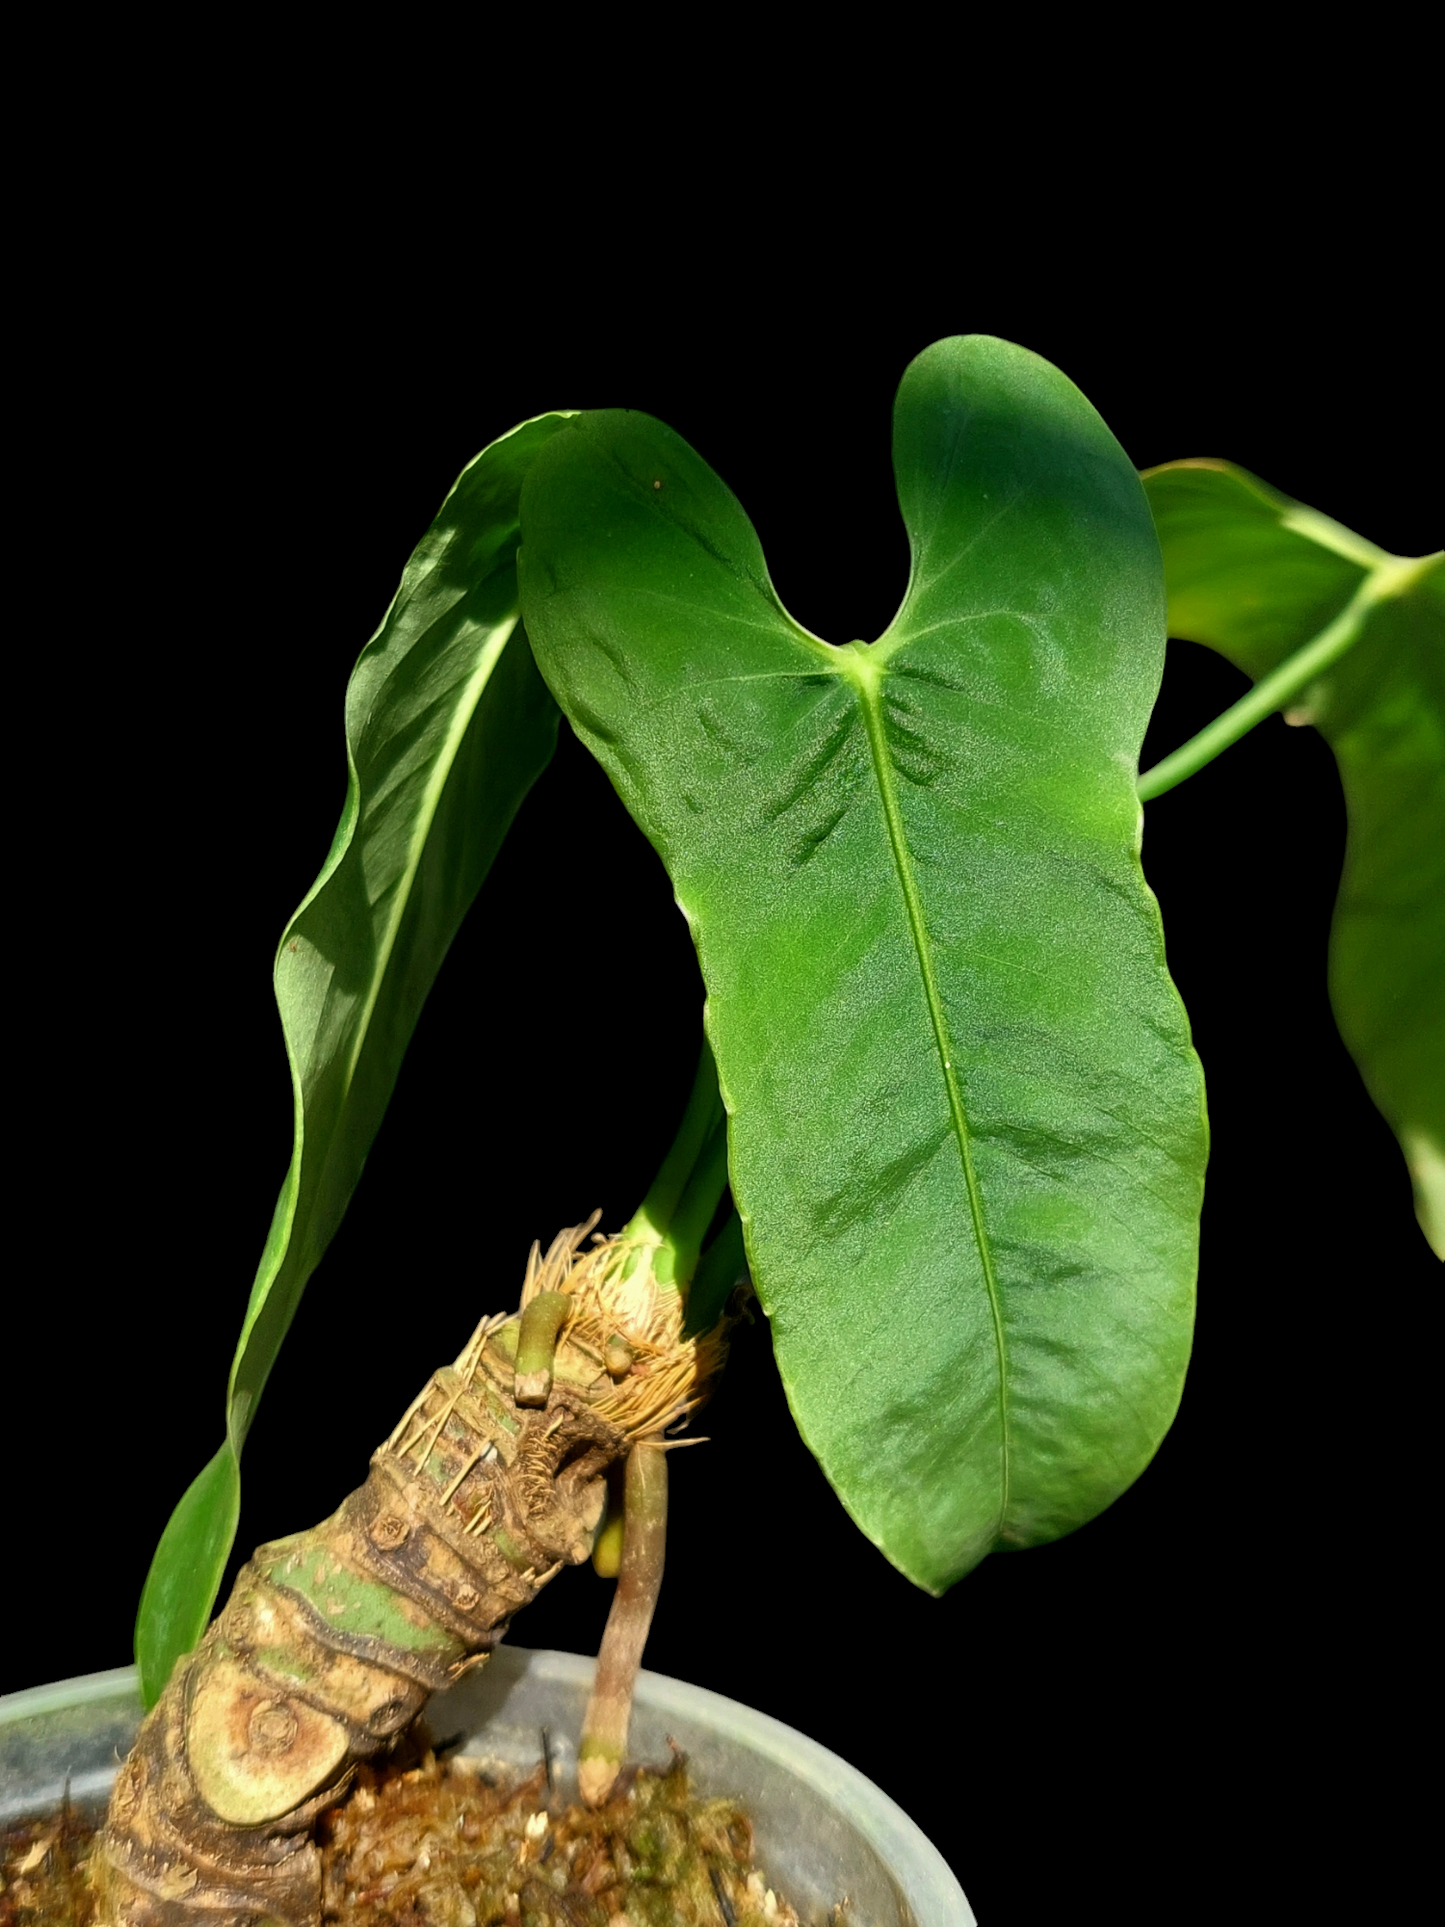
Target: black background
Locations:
point(1186, 1710)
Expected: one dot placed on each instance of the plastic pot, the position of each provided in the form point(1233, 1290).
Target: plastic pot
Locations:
point(824, 1833)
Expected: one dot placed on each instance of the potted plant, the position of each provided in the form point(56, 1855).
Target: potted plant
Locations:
point(804, 954)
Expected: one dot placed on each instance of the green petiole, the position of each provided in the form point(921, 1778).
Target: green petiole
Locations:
point(670, 1224)
point(1390, 578)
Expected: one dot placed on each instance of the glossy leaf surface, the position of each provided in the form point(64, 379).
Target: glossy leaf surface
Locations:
point(447, 727)
point(967, 1131)
point(1255, 575)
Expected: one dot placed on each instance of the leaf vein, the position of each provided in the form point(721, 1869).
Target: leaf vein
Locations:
point(923, 948)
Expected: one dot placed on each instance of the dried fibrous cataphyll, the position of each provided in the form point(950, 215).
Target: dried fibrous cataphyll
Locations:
point(332, 1640)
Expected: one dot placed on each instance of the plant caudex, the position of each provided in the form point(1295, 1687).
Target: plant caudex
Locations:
point(492, 1481)
point(964, 1128)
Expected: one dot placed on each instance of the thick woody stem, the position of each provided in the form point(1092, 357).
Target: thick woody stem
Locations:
point(644, 1544)
point(333, 1640)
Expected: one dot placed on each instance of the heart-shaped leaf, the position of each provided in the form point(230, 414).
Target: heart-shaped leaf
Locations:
point(1256, 576)
point(967, 1126)
point(448, 726)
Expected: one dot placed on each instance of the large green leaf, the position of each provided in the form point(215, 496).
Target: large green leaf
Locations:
point(448, 725)
point(967, 1126)
point(1256, 575)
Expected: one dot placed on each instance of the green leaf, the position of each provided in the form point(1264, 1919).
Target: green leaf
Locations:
point(197, 1539)
point(1256, 575)
point(448, 725)
point(967, 1127)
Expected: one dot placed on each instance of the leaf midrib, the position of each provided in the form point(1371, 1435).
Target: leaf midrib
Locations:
point(866, 680)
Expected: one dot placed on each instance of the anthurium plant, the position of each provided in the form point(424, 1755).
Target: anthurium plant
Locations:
point(948, 1127)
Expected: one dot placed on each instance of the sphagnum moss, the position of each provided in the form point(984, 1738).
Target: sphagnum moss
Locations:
point(426, 1843)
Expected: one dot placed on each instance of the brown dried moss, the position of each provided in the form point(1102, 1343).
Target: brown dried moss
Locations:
point(42, 1871)
point(441, 1844)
